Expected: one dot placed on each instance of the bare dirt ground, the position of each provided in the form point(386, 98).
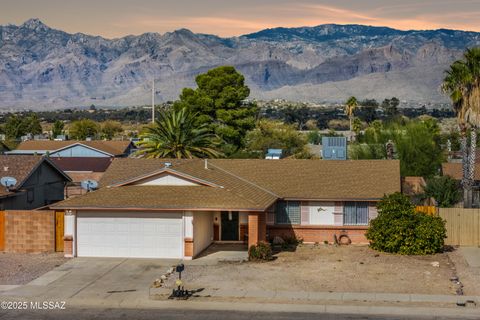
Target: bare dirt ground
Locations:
point(18, 268)
point(329, 268)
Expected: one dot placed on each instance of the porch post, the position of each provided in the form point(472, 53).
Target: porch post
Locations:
point(69, 240)
point(188, 241)
point(257, 227)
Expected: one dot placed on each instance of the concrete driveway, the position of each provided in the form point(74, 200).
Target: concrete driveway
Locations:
point(113, 280)
point(96, 278)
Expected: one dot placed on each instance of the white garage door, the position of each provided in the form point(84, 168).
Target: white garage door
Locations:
point(129, 234)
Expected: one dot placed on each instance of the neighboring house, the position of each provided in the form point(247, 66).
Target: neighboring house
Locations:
point(39, 182)
point(157, 208)
point(81, 160)
point(454, 170)
point(456, 156)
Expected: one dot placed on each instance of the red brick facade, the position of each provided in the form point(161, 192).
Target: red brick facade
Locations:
point(257, 227)
point(312, 234)
point(29, 231)
point(68, 246)
point(188, 251)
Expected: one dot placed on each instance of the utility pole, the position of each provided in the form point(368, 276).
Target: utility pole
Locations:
point(153, 101)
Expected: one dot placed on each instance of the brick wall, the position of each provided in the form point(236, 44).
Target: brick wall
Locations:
point(188, 249)
point(29, 231)
point(257, 227)
point(312, 234)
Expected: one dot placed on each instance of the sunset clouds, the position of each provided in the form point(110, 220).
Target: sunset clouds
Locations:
point(116, 18)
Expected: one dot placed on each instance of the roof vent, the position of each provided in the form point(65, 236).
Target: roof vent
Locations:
point(206, 163)
point(168, 164)
point(5, 168)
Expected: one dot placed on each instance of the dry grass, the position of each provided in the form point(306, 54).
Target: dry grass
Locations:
point(329, 268)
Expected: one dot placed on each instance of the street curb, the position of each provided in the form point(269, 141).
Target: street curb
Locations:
point(162, 293)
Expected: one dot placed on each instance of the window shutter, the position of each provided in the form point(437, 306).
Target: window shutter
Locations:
point(305, 213)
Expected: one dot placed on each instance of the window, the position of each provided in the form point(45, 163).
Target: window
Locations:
point(355, 213)
point(287, 212)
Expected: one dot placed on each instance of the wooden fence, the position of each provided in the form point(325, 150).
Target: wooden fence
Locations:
point(463, 226)
point(430, 210)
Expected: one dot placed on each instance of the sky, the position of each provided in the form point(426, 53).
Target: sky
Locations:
point(117, 18)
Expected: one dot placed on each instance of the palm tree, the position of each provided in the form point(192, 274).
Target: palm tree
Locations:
point(462, 83)
point(350, 107)
point(176, 134)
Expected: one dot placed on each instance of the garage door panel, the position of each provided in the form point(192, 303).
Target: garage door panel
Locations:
point(122, 234)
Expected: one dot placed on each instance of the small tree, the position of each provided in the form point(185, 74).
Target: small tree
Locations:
point(444, 190)
point(110, 128)
point(32, 124)
point(400, 229)
point(275, 134)
point(15, 127)
point(82, 129)
point(57, 128)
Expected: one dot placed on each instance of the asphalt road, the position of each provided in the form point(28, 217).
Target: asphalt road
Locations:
point(146, 314)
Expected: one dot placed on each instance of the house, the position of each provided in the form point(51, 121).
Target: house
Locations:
point(157, 208)
point(39, 182)
point(81, 160)
point(74, 148)
point(454, 170)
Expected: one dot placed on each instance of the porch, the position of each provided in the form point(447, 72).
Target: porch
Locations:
point(235, 227)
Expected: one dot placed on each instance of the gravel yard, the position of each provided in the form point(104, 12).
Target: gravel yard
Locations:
point(17, 268)
point(330, 268)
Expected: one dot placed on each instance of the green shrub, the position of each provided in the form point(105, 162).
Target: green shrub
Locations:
point(292, 241)
point(400, 229)
point(445, 191)
point(260, 251)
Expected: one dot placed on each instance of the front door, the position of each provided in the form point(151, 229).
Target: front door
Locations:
point(229, 226)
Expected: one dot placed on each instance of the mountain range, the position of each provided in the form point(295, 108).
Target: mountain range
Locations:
point(45, 68)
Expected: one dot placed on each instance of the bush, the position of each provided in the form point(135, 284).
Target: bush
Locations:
point(260, 251)
point(444, 190)
point(292, 241)
point(400, 229)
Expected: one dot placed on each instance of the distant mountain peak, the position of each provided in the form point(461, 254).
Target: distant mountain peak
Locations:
point(35, 24)
point(42, 67)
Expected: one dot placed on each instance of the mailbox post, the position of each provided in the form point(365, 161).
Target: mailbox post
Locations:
point(180, 292)
point(179, 268)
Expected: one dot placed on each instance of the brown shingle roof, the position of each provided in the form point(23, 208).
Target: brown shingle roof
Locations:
point(454, 170)
point(319, 179)
point(116, 148)
point(20, 168)
point(252, 183)
point(162, 198)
